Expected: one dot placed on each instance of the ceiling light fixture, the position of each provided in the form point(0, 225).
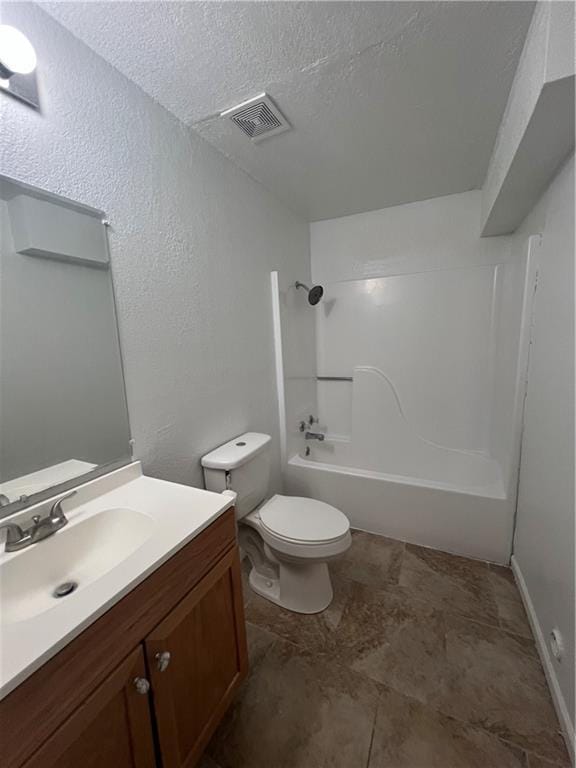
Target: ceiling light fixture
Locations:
point(17, 65)
point(17, 54)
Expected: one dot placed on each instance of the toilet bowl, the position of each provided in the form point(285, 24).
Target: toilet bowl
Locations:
point(288, 540)
point(295, 538)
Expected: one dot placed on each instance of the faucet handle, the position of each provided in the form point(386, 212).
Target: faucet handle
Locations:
point(14, 535)
point(56, 513)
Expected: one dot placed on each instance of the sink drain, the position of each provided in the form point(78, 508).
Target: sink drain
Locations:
point(65, 589)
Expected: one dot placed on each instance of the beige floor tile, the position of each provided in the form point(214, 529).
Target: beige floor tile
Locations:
point(259, 641)
point(392, 639)
point(310, 632)
point(313, 633)
point(511, 613)
point(533, 761)
point(410, 735)
point(495, 680)
point(456, 584)
point(294, 713)
point(447, 633)
point(371, 560)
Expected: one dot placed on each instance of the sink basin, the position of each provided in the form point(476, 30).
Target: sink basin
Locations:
point(80, 553)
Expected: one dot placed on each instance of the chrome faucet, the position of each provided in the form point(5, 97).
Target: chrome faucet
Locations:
point(41, 527)
point(313, 436)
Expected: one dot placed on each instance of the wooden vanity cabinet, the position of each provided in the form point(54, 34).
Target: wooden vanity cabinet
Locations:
point(163, 697)
point(207, 661)
point(112, 728)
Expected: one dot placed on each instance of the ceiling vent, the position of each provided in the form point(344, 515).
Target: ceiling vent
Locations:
point(259, 118)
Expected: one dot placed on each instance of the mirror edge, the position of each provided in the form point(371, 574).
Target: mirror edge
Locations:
point(55, 490)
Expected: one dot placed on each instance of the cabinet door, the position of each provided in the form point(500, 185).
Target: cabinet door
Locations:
point(111, 728)
point(205, 638)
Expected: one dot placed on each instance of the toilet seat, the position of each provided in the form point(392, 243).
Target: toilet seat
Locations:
point(301, 528)
point(303, 521)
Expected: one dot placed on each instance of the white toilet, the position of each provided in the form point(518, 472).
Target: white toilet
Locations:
point(288, 539)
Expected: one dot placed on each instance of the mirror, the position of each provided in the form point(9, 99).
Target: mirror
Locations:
point(63, 413)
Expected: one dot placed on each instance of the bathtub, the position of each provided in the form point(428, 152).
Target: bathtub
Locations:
point(465, 512)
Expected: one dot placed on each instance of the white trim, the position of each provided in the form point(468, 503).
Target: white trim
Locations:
point(524, 344)
point(279, 362)
point(547, 662)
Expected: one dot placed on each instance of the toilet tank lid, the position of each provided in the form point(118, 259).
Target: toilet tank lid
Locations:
point(236, 452)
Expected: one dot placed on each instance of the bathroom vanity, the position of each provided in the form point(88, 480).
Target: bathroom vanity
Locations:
point(136, 668)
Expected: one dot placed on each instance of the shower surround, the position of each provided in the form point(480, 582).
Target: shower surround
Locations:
point(421, 344)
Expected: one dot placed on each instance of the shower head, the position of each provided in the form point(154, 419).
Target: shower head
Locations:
point(314, 294)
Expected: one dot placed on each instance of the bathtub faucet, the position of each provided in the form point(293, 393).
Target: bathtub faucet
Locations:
point(314, 436)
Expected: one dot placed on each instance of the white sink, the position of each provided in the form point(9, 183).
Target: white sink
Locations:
point(81, 552)
point(122, 526)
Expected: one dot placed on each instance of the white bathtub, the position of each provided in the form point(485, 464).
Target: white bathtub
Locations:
point(467, 515)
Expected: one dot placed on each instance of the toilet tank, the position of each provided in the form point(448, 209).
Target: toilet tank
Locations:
point(242, 465)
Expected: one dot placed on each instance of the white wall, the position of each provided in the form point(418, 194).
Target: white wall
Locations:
point(193, 240)
point(536, 134)
point(522, 101)
point(441, 233)
point(544, 540)
point(560, 48)
point(415, 291)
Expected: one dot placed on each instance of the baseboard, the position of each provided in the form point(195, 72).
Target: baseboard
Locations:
point(557, 697)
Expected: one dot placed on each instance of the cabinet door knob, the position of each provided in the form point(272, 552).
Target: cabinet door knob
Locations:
point(142, 685)
point(162, 660)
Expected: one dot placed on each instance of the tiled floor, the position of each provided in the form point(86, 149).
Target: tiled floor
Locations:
point(423, 660)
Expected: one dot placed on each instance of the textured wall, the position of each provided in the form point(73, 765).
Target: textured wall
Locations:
point(521, 102)
point(544, 540)
point(193, 240)
point(441, 233)
point(548, 55)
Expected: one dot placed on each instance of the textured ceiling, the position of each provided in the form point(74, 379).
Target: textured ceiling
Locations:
point(390, 102)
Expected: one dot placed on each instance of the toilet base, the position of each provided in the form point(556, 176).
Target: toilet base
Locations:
point(302, 587)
